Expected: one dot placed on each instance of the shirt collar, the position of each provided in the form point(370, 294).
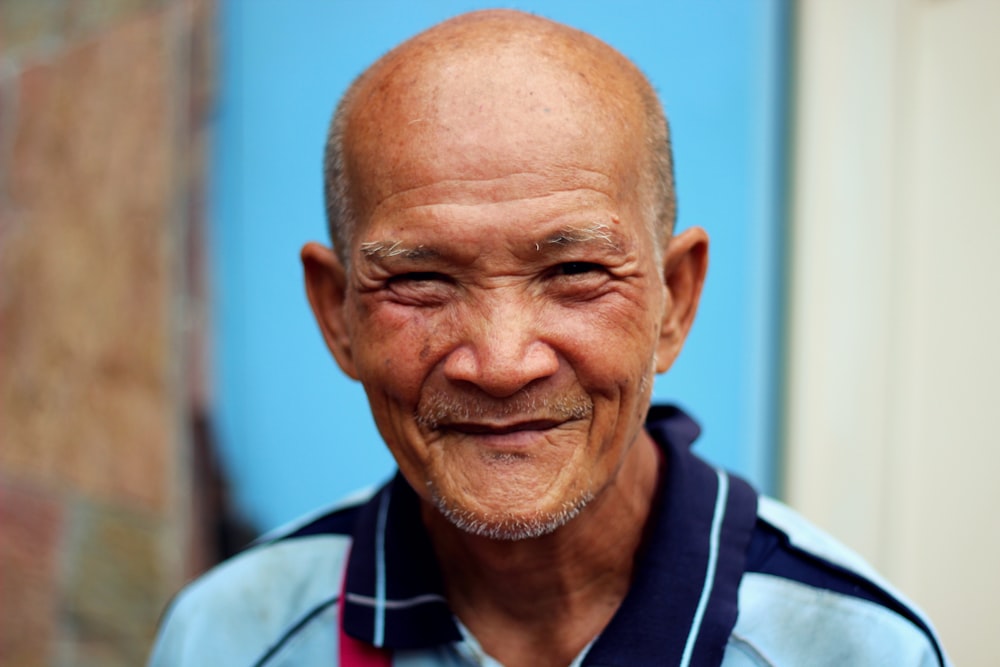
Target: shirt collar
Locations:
point(682, 605)
point(393, 592)
point(680, 609)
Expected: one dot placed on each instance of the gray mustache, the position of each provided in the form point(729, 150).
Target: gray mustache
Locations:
point(439, 408)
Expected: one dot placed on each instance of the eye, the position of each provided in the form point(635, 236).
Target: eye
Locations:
point(578, 281)
point(577, 268)
point(421, 288)
point(418, 277)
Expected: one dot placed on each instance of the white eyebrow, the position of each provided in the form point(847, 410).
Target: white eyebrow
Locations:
point(566, 236)
point(383, 249)
point(569, 235)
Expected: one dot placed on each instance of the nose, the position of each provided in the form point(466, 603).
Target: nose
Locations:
point(501, 352)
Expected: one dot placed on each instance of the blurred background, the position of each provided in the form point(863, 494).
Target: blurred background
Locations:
point(166, 397)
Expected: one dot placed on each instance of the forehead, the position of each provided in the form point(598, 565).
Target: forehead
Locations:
point(488, 111)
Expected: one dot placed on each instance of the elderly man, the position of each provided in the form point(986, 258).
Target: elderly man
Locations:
point(505, 282)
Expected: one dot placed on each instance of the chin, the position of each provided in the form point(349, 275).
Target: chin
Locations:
point(508, 525)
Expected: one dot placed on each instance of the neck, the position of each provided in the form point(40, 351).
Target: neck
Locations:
point(540, 601)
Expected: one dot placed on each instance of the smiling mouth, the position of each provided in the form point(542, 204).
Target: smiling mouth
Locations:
point(473, 428)
point(525, 413)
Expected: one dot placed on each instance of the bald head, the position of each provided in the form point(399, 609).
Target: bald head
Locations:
point(490, 93)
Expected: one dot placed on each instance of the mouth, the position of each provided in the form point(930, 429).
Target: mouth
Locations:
point(519, 438)
point(481, 428)
point(523, 422)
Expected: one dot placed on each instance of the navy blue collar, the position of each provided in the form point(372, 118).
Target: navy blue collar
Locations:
point(680, 609)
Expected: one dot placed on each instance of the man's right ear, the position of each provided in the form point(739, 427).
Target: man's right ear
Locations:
point(326, 286)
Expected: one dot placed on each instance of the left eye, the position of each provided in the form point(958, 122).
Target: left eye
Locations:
point(577, 268)
point(418, 277)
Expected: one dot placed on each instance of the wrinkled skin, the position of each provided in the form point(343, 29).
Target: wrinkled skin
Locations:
point(505, 304)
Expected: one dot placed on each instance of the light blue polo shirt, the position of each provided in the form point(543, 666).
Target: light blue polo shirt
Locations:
point(724, 578)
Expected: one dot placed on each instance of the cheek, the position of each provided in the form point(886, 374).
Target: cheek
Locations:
point(614, 341)
point(396, 348)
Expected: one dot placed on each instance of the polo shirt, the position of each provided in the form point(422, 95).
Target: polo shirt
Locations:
point(725, 577)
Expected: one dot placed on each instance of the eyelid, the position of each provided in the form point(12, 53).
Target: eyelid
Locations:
point(578, 267)
point(419, 288)
point(419, 276)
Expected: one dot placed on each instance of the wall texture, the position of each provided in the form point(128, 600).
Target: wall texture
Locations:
point(102, 115)
point(893, 362)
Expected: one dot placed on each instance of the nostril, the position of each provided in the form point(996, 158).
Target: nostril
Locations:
point(461, 364)
point(499, 368)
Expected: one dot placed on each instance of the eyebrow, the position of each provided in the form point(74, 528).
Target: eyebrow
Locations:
point(385, 249)
point(566, 236)
point(572, 235)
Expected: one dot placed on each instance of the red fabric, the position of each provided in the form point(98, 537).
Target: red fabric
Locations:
point(356, 653)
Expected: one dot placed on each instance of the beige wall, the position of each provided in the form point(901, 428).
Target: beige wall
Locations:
point(102, 116)
point(894, 356)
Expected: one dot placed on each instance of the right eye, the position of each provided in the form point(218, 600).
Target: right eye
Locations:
point(420, 288)
point(417, 277)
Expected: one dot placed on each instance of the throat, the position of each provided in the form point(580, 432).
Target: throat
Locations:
point(538, 615)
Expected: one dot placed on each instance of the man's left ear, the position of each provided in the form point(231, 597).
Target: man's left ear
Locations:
point(685, 263)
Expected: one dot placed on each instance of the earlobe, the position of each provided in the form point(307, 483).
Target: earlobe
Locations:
point(685, 264)
point(326, 287)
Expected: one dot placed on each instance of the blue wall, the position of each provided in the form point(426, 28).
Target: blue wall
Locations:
point(294, 433)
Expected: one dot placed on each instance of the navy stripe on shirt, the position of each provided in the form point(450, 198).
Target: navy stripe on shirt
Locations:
point(675, 574)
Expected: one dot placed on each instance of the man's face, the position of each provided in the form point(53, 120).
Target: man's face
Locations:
point(504, 302)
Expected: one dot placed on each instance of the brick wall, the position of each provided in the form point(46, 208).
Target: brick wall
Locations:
point(103, 109)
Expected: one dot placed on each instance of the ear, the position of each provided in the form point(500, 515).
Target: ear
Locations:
point(326, 286)
point(685, 263)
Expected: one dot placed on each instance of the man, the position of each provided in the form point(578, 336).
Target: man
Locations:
point(505, 282)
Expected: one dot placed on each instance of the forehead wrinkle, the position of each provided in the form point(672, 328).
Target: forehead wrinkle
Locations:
point(472, 190)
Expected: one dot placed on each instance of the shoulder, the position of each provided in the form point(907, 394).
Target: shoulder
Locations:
point(287, 584)
point(805, 595)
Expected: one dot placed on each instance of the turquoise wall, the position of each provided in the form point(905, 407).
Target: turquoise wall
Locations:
point(294, 434)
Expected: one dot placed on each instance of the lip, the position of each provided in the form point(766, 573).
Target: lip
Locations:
point(479, 428)
point(523, 435)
